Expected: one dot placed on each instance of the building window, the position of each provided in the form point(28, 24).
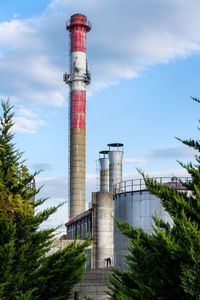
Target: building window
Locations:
point(88, 263)
point(82, 229)
point(78, 230)
point(85, 225)
point(89, 225)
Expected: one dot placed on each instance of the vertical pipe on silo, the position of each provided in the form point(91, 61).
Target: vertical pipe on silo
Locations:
point(104, 171)
point(115, 164)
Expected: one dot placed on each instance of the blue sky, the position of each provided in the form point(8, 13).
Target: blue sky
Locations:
point(144, 57)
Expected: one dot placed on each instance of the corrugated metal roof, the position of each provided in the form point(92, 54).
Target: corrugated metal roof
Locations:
point(79, 217)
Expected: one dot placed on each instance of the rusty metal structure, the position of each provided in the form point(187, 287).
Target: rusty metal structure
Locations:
point(78, 78)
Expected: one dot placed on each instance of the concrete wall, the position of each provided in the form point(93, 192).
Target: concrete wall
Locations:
point(77, 171)
point(137, 208)
point(93, 285)
point(94, 230)
point(104, 227)
point(61, 244)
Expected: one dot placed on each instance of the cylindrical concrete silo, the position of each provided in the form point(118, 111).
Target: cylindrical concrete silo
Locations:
point(104, 221)
point(104, 171)
point(78, 78)
point(115, 164)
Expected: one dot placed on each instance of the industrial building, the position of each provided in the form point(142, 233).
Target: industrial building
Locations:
point(125, 200)
point(97, 221)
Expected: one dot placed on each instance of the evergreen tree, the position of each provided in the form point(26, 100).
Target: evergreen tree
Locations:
point(26, 272)
point(165, 264)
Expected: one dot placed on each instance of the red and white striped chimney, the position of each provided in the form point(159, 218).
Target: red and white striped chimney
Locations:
point(78, 79)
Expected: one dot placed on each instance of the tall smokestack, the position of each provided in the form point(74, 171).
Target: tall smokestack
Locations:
point(78, 79)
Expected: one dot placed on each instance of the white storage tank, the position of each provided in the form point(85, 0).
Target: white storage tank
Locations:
point(134, 204)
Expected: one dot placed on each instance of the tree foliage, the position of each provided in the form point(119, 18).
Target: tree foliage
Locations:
point(26, 271)
point(165, 264)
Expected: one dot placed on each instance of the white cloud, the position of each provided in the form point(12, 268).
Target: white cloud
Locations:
point(26, 112)
point(27, 121)
point(28, 70)
point(25, 125)
point(41, 166)
point(174, 153)
point(56, 188)
point(34, 51)
point(15, 16)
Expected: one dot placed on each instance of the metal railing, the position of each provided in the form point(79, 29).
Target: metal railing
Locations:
point(82, 22)
point(136, 185)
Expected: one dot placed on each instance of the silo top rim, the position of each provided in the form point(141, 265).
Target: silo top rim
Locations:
point(104, 152)
point(115, 145)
